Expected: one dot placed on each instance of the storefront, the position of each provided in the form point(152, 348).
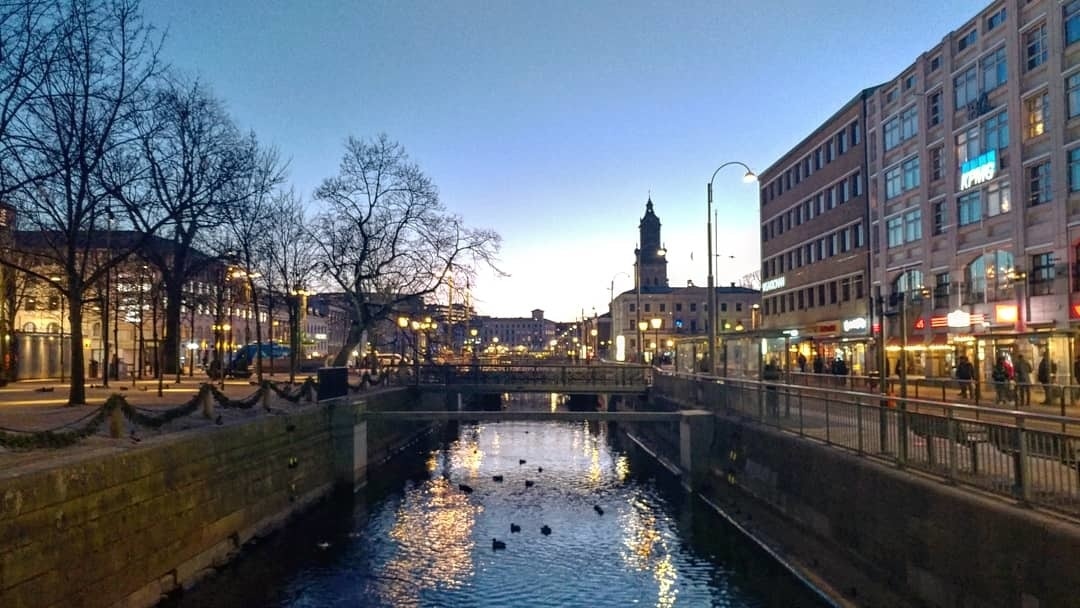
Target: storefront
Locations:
point(817, 348)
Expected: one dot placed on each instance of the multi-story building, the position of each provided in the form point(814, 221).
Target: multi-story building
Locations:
point(974, 152)
point(973, 165)
point(672, 313)
point(515, 334)
point(815, 262)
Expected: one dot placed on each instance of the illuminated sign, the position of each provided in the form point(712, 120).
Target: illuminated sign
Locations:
point(957, 318)
point(856, 324)
point(320, 336)
point(772, 284)
point(977, 170)
point(1005, 313)
point(793, 333)
point(920, 323)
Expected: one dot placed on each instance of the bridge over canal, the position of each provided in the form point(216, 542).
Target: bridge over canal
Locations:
point(612, 379)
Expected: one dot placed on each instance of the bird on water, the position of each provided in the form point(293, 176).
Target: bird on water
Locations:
point(514, 528)
point(598, 510)
point(497, 544)
point(545, 530)
point(464, 488)
point(496, 478)
point(529, 483)
point(522, 461)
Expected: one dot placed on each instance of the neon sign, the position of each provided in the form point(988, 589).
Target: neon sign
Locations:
point(977, 170)
point(772, 284)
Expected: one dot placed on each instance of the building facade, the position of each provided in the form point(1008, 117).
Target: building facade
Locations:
point(815, 266)
point(671, 314)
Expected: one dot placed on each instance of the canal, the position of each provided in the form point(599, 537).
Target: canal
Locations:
point(620, 532)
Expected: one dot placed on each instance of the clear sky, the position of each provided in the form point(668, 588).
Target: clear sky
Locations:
point(551, 122)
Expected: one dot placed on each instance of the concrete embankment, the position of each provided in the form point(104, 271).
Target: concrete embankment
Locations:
point(126, 527)
point(868, 529)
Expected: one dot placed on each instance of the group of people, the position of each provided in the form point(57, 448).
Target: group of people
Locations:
point(838, 366)
point(1012, 381)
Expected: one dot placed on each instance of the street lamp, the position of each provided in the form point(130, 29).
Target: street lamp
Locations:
point(656, 322)
point(642, 326)
point(403, 324)
point(748, 177)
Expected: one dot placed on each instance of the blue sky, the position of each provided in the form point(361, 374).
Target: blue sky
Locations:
point(551, 122)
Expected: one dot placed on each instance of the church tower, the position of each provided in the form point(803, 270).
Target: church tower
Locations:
point(650, 265)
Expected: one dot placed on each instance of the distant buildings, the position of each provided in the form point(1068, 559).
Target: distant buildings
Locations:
point(671, 313)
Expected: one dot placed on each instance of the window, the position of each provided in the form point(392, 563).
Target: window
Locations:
point(892, 133)
point(1071, 13)
point(1074, 170)
point(911, 173)
point(967, 144)
point(996, 130)
point(648, 307)
point(987, 278)
point(909, 82)
point(1035, 47)
point(966, 87)
point(937, 164)
point(941, 217)
point(856, 184)
point(997, 199)
point(894, 231)
point(941, 290)
point(1039, 183)
point(994, 69)
point(893, 183)
point(935, 63)
point(1038, 110)
point(910, 281)
point(995, 20)
point(853, 132)
point(913, 226)
point(859, 236)
point(909, 123)
point(693, 307)
point(829, 152)
point(1072, 95)
point(832, 292)
point(967, 40)
point(1041, 277)
point(890, 95)
point(934, 117)
point(845, 289)
point(968, 209)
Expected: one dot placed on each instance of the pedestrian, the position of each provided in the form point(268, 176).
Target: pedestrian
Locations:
point(965, 373)
point(1076, 380)
point(1023, 381)
point(1044, 378)
point(770, 375)
point(1000, 378)
point(802, 363)
point(819, 365)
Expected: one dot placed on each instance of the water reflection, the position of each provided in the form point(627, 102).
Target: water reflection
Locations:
point(424, 542)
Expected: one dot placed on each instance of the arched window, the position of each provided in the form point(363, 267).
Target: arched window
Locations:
point(29, 328)
point(987, 278)
point(910, 282)
point(53, 328)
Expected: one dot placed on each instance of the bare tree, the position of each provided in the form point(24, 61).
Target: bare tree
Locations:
point(291, 261)
point(79, 126)
point(248, 224)
point(385, 238)
point(193, 154)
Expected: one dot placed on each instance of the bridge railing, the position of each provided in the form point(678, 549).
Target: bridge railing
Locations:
point(1030, 457)
point(570, 376)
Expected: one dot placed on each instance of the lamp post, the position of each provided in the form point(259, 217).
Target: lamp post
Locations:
point(56, 280)
point(748, 177)
point(642, 326)
point(656, 322)
point(472, 343)
point(403, 324)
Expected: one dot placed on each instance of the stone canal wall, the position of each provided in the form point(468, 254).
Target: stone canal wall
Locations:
point(123, 527)
point(940, 545)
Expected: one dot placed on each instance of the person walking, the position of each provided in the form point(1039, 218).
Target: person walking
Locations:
point(1023, 381)
point(965, 373)
point(1044, 378)
point(1000, 378)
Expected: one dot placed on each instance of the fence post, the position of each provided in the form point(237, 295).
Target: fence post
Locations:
point(1023, 477)
point(954, 435)
point(858, 424)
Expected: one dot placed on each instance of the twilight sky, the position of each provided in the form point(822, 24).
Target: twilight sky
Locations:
point(552, 121)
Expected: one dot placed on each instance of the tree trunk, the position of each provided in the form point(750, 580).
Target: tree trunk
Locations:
point(258, 330)
point(174, 297)
point(77, 394)
point(356, 334)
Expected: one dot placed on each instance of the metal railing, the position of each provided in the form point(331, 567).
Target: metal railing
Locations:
point(538, 377)
point(1030, 457)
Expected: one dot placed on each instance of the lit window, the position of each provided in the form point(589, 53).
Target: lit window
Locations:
point(1038, 110)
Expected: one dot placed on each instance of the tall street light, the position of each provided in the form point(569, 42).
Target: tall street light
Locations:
point(748, 177)
point(656, 322)
point(642, 327)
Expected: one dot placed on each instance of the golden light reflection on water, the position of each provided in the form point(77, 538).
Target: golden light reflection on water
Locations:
point(622, 467)
point(645, 551)
point(432, 529)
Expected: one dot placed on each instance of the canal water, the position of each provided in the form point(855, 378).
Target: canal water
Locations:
point(622, 533)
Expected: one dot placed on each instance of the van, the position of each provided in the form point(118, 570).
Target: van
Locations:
point(275, 359)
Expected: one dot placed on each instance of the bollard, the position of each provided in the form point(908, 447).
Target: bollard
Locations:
point(116, 422)
point(207, 399)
